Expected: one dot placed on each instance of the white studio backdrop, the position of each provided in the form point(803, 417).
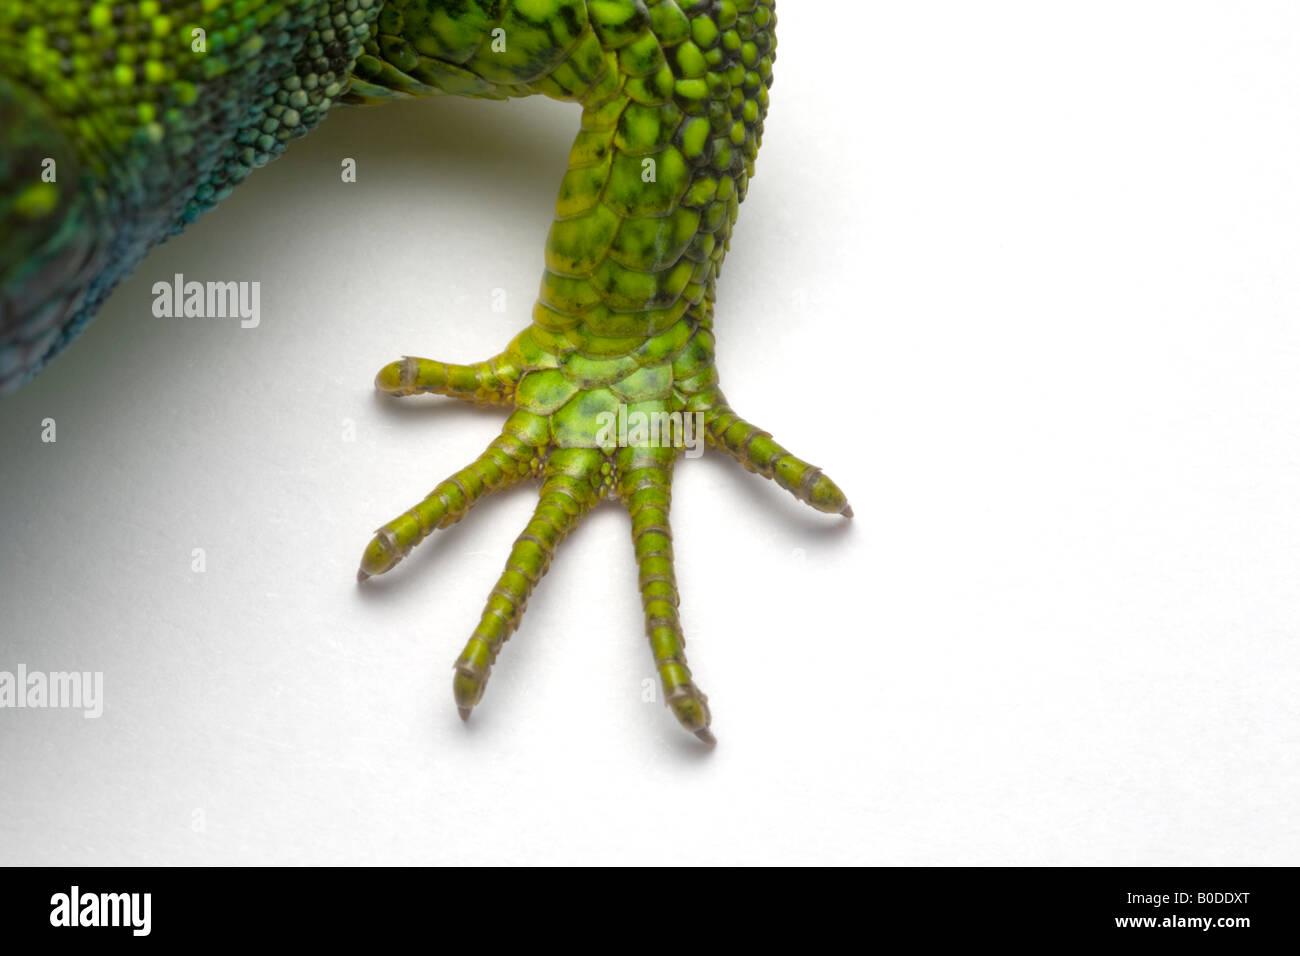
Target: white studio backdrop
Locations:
point(1021, 277)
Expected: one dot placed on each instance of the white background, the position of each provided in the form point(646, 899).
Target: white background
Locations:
point(1021, 277)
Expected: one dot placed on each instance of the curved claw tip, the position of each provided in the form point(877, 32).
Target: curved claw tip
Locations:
point(847, 512)
point(465, 712)
point(707, 736)
point(361, 575)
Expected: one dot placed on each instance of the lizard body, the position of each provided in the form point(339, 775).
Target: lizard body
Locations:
point(149, 132)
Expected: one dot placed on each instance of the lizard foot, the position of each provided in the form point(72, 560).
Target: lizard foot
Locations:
point(559, 433)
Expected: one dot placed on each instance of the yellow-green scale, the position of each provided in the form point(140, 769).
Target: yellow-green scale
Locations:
point(673, 96)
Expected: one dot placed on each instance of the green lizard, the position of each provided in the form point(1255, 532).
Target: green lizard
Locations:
point(122, 122)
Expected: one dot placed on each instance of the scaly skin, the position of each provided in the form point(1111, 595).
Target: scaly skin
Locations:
point(673, 97)
point(147, 134)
